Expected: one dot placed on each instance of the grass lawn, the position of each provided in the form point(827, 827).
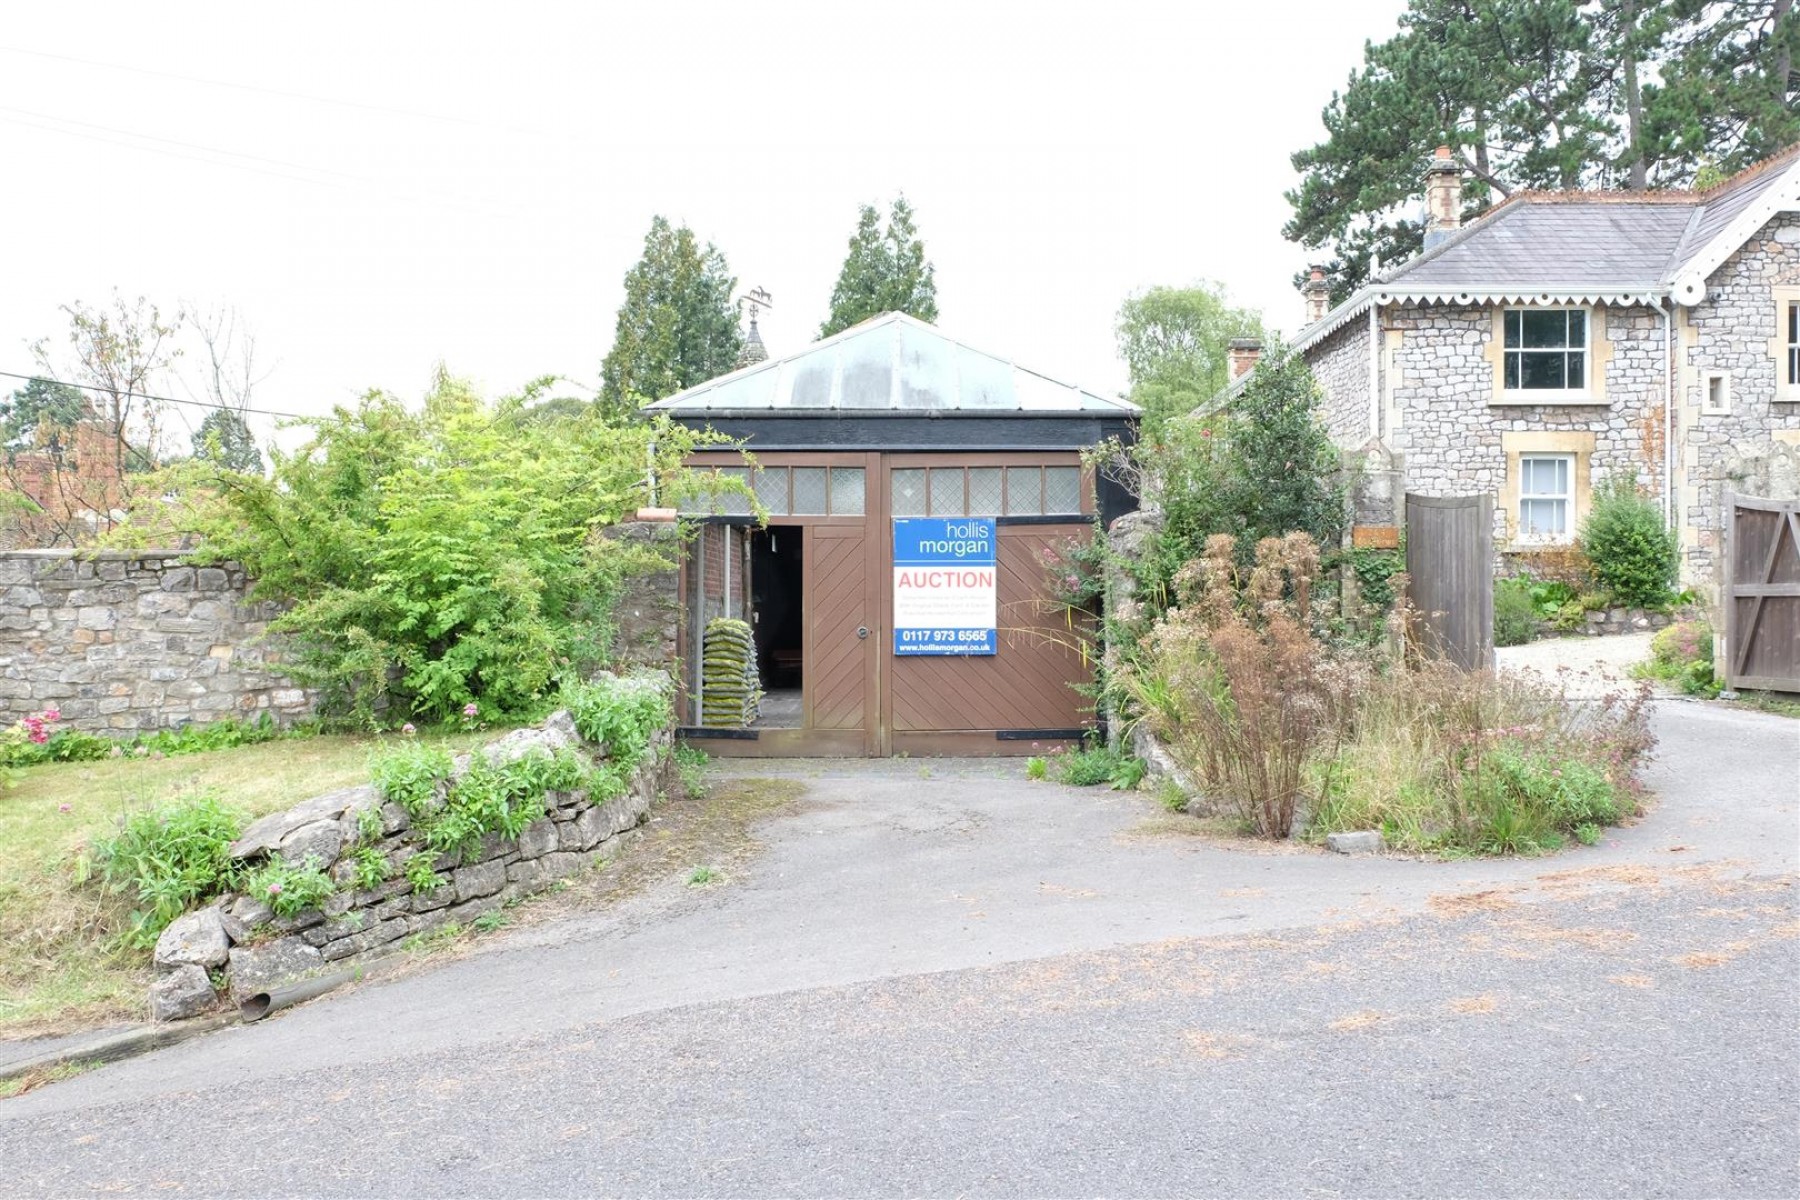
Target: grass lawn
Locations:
point(60, 962)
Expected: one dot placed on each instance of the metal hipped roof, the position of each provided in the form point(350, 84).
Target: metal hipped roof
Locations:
point(889, 364)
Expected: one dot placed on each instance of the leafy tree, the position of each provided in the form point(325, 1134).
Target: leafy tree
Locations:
point(435, 557)
point(224, 438)
point(121, 352)
point(1264, 467)
point(40, 412)
point(884, 271)
point(1173, 341)
point(677, 327)
point(1540, 94)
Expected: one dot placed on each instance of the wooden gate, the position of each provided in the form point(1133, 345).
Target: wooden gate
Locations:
point(1450, 560)
point(1762, 594)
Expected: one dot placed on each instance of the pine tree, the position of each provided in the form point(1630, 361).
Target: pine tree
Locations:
point(224, 438)
point(41, 411)
point(884, 271)
point(678, 326)
point(1540, 94)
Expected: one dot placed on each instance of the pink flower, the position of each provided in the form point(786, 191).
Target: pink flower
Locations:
point(53, 713)
point(65, 808)
point(274, 889)
point(470, 709)
point(408, 729)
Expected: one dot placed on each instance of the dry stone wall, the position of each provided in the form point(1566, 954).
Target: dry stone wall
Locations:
point(130, 642)
point(256, 950)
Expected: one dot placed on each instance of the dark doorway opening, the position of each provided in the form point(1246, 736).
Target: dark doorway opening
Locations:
point(778, 607)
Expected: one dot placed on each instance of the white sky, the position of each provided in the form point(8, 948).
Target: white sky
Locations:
point(389, 185)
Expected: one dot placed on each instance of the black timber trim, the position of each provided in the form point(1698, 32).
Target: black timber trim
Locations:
point(914, 434)
point(1046, 519)
point(1044, 735)
point(702, 732)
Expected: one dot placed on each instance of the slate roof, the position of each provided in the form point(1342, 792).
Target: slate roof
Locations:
point(1603, 245)
point(890, 363)
point(1575, 246)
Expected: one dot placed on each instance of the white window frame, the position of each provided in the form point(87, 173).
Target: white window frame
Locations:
point(1527, 395)
point(1788, 377)
point(1707, 379)
point(1566, 496)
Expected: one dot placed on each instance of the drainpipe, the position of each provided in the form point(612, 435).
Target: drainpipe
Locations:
point(1668, 466)
point(1375, 405)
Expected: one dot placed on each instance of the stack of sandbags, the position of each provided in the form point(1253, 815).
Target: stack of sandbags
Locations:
point(730, 693)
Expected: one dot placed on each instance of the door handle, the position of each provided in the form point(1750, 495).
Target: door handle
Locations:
point(862, 631)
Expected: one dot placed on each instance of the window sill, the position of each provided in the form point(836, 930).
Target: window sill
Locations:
point(1531, 399)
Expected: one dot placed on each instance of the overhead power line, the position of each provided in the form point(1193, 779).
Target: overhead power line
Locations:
point(129, 395)
point(241, 87)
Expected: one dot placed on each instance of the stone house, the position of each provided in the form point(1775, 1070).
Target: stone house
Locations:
point(1565, 338)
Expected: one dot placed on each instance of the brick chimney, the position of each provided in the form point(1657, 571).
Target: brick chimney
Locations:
point(1443, 197)
point(1241, 354)
point(1317, 291)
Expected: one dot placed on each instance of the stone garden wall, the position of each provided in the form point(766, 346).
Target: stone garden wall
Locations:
point(135, 641)
point(255, 950)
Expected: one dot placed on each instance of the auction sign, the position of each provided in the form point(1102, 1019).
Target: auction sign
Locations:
point(945, 600)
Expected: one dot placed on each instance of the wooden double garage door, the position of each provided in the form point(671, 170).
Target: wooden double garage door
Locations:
point(859, 698)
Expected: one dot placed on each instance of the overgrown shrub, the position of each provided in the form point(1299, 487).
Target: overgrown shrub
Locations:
point(1515, 615)
point(447, 555)
point(169, 859)
point(451, 812)
point(409, 773)
point(1276, 722)
point(1251, 696)
point(1682, 654)
point(621, 713)
point(1453, 761)
point(1634, 553)
point(1262, 467)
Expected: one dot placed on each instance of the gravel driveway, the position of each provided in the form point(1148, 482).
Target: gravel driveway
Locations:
point(1589, 666)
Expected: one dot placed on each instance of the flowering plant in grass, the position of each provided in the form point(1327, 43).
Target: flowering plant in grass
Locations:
point(33, 729)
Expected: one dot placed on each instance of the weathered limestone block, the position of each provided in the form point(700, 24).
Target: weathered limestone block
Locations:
point(520, 742)
point(538, 838)
point(368, 939)
point(182, 993)
point(197, 939)
point(482, 879)
point(269, 832)
point(436, 898)
point(586, 830)
point(320, 841)
point(258, 968)
point(528, 874)
point(241, 917)
point(1367, 841)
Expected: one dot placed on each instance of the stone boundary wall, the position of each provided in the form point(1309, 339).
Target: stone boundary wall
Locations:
point(256, 950)
point(126, 642)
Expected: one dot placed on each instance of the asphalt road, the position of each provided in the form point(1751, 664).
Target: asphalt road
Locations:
point(940, 979)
